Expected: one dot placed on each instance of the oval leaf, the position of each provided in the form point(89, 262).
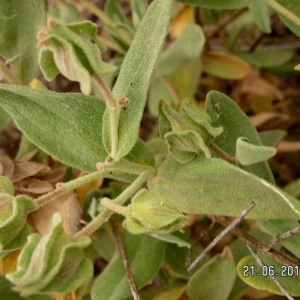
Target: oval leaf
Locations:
point(67, 126)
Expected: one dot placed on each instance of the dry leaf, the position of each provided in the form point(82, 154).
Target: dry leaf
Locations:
point(254, 84)
point(288, 146)
point(271, 120)
point(181, 20)
point(67, 206)
point(6, 166)
point(33, 186)
point(26, 169)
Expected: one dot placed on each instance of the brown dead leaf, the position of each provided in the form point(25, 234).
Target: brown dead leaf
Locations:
point(181, 20)
point(33, 186)
point(54, 175)
point(271, 120)
point(69, 209)
point(28, 156)
point(254, 84)
point(6, 166)
point(288, 146)
point(27, 169)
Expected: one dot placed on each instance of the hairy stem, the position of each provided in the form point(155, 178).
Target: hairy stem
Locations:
point(121, 199)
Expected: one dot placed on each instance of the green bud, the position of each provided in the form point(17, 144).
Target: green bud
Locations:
point(151, 213)
point(74, 50)
point(188, 133)
point(13, 216)
point(52, 264)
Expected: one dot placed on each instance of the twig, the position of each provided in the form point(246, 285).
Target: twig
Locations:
point(248, 240)
point(260, 262)
point(230, 227)
point(126, 266)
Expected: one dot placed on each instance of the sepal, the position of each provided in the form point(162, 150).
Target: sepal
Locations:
point(53, 264)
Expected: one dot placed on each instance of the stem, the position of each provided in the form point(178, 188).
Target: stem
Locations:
point(114, 113)
point(222, 154)
point(281, 9)
point(106, 20)
point(121, 199)
point(66, 187)
point(7, 74)
point(107, 203)
point(126, 167)
point(106, 92)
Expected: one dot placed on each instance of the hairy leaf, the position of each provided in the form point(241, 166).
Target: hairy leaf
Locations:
point(67, 126)
point(213, 186)
point(136, 70)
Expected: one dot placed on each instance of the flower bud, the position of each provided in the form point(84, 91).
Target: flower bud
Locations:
point(54, 263)
point(188, 133)
point(151, 213)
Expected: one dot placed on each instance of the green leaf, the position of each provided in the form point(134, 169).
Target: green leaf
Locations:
point(289, 12)
point(136, 71)
point(260, 12)
point(159, 89)
point(271, 138)
point(19, 21)
point(267, 59)
point(75, 51)
point(54, 263)
point(185, 79)
point(7, 292)
point(144, 255)
point(217, 4)
point(293, 188)
point(263, 281)
point(187, 47)
point(213, 186)
point(248, 154)
point(67, 126)
point(5, 118)
point(139, 9)
point(226, 113)
point(13, 217)
point(214, 280)
point(171, 238)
